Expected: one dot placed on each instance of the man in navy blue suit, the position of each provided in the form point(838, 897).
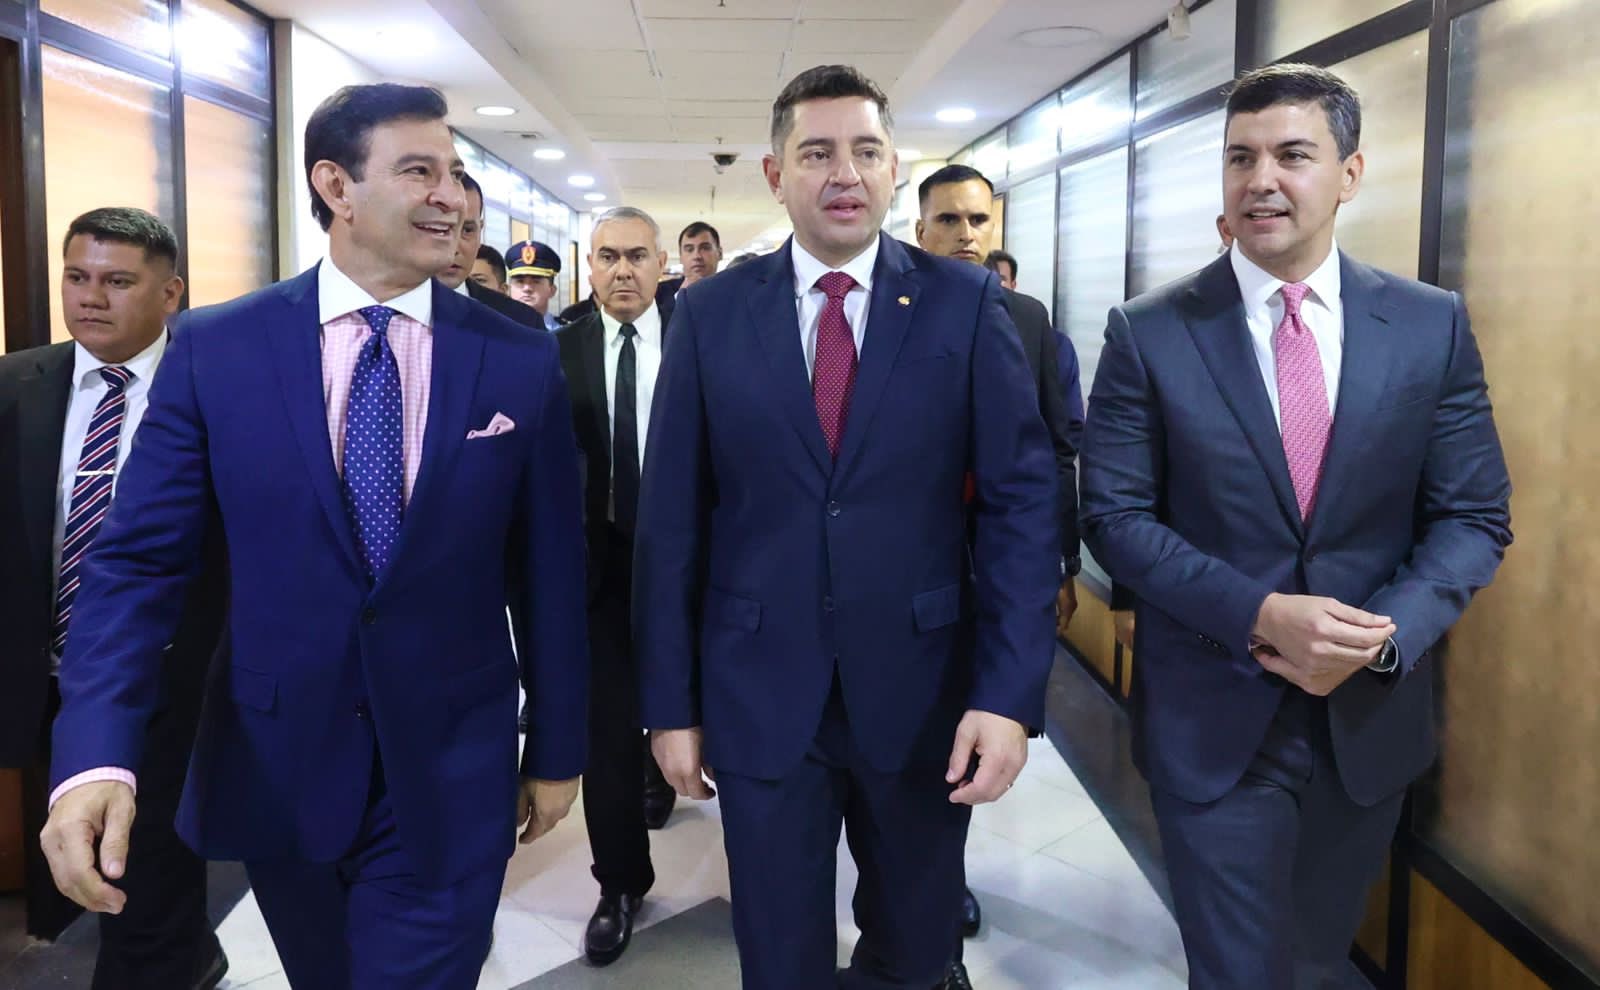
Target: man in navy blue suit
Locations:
point(392, 466)
point(1291, 461)
point(807, 608)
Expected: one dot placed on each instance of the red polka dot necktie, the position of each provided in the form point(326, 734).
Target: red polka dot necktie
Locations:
point(1304, 417)
point(374, 459)
point(834, 376)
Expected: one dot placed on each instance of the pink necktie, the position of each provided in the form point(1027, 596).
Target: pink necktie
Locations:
point(1302, 398)
point(834, 376)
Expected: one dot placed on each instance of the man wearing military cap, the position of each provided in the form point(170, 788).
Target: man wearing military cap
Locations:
point(532, 268)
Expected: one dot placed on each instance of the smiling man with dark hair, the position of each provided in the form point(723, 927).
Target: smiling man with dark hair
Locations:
point(389, 467)
point(1291, 461)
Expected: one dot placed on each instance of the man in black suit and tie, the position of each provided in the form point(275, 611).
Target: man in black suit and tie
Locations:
point(457, 274)
point(957, 221)
point(68, 413)
point(610, 359)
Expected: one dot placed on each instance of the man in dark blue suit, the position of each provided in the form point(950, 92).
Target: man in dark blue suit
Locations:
point(1291, 461)
point(806, 605)
point(393, 466)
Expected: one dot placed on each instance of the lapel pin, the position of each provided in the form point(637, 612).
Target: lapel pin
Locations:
point(905, 300)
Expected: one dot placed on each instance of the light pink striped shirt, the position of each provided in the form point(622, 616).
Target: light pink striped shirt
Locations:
point(344, 331)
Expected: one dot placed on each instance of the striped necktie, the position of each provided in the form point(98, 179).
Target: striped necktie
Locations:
point(91, 493)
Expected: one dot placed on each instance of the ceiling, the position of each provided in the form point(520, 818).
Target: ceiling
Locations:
point(639, 93)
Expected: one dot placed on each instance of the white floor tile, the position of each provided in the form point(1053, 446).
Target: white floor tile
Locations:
point(523, 946)
point(1035, 814)
point(1095, 848)
point(244, 937)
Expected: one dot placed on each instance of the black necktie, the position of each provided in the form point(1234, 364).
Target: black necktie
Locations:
point(625, 436)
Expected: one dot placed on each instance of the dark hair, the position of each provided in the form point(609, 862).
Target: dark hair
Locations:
point(126, 225)
point(489, 254)
point(340, 130)
point(950, 175)
point(701, 227)
point(740, 259)
point(824, 82)
point(470, 185)
point(996, 257)
point(1294, 82)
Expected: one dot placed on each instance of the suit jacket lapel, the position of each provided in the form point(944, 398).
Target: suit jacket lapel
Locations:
point(777, 328)
point(888, 319)
point(1216, 321)
point(41, 420)
point(1364, 374)
point(592, 349)
point(457, 360)
point(297, 349)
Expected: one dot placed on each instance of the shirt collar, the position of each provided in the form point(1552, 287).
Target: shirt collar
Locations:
point(1257, 286)
point(648, 326)
point(338, 295)
point(462, 289)
point(142, 365)
point(807, 269)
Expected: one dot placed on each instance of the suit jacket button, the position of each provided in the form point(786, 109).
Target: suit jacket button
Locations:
point(827, 603)
point(369, 616)
point(833, 509)
point(361, 709)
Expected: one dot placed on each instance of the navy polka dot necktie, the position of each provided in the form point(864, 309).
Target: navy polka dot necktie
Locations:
point(374, 460)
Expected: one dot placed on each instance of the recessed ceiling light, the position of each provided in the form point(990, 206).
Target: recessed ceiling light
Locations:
point(909, 154)
point(595, 197)
point(956, 115)
point(493, 110)
point(581, 181)
point(1062, 36)
point(549, 154)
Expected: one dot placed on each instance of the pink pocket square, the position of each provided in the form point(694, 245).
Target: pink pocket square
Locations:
point(501, 423)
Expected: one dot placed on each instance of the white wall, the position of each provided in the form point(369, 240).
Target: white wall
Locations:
point(309, 70)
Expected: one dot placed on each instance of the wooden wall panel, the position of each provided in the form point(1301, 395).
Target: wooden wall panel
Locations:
point(1091, 634)
point(1373, 938)
point(11, 838)
point(1448, 951)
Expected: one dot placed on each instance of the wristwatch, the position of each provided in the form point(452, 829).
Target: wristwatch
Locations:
point(1387, 659)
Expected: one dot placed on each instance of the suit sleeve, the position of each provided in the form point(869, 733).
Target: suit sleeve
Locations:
point(133, 582)
point(1056, 408)
point(1016, 544)
point(554, 645)
point(1122, 493)
point(673, 530)
point(1463, 508)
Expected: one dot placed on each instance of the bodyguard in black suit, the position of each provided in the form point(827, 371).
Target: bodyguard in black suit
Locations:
point(957, 221)
point(456, 274)
point(610, 359)
point(56, 403)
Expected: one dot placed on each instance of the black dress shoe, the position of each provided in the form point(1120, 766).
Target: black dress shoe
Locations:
point(659, 797)
point(522, 719)
point(216, 968)
point(971, 914)
point(955, 978)
point(610, 928)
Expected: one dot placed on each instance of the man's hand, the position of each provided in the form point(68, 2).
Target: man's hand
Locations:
point(1001, 745)
point(1122, 627)
point(542, 803)
point(1066, 605)
point(1316, 643)
point(101, 810)
point(677, 753)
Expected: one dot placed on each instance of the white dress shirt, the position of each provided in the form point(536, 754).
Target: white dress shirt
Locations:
point(809, 299)
point(647, 362)
point(88, 387)
point(1322, 310)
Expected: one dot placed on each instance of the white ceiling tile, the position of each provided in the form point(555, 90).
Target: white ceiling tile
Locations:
point(712, 35)
point(861, 35)
point(729, 8)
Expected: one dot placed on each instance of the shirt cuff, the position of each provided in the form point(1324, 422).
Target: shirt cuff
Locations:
point(95, 776)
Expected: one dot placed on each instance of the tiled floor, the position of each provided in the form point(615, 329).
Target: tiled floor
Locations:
point(1065, 905)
